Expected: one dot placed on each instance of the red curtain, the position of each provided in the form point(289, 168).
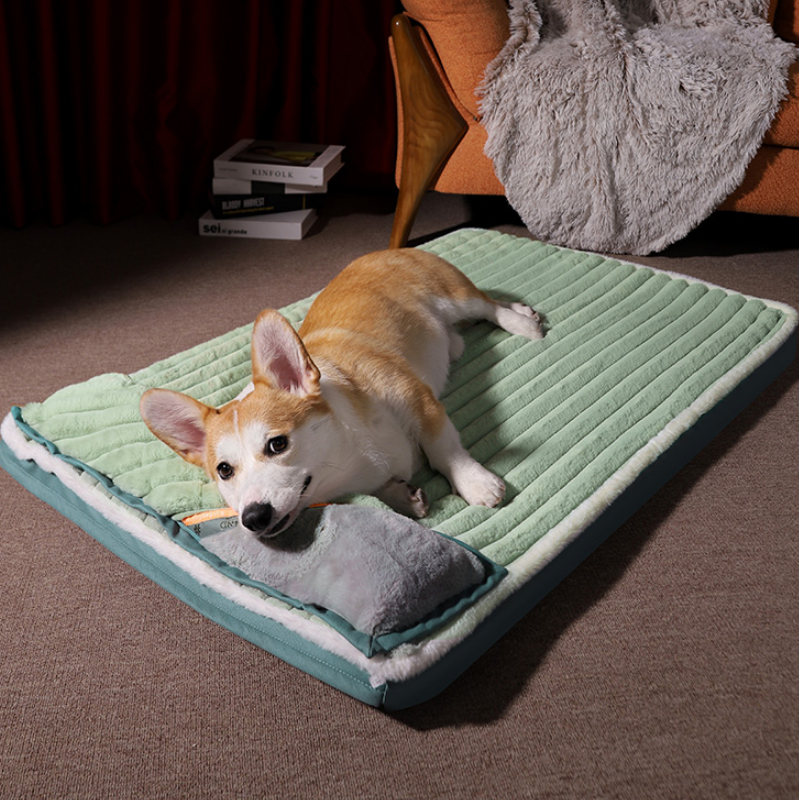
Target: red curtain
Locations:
point(108, 108)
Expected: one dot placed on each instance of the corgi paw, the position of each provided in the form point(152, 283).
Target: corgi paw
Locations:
point(520, 319)
point(418, 504)
point(480, 487)
point(533, 320)
point(526, 311)
point(404, 498)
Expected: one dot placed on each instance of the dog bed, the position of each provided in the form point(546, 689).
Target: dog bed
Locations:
point(638, 370)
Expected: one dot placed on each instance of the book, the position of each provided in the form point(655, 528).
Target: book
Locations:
point(291, 225)
point(239, 186)
point(230, 206)
point(279, 162)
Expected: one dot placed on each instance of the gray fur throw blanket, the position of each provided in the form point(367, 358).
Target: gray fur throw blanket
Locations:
point(619, 125)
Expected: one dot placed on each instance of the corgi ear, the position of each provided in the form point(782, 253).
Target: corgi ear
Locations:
point(279, 357)
point(177, 420)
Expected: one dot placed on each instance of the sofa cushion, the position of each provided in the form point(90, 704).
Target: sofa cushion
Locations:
point(769, 186)
point(784, 130)
point(785, 19)
point(469, 170)
point(466, 35)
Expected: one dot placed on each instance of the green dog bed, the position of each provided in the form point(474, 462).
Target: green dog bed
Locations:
point(638, 370)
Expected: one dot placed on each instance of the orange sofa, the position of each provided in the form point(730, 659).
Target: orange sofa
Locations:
point(440, 49)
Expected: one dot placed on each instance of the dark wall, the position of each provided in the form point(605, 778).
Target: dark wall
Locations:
point(108, 109)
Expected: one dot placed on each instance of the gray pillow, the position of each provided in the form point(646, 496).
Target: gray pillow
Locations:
point(382, 572)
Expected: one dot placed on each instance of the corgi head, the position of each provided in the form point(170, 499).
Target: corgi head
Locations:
point(266, 449)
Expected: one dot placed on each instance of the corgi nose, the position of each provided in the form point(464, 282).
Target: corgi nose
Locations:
point(257, 516)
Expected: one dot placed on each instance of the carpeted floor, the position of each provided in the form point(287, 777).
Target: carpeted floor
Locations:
point(666, 666)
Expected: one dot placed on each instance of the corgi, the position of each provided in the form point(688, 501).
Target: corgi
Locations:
point(350, 402)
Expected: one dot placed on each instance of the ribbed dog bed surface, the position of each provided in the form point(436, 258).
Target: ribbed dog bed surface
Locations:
point(638, 368)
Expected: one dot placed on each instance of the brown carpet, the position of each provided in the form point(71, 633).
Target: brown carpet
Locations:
point(666, 666)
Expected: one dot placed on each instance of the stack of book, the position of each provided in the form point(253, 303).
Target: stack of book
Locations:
point(268, 190)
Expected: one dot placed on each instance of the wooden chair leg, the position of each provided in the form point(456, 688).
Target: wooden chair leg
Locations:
point(432, 126)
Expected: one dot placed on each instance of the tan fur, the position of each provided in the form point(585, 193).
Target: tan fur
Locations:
point(372, 316)
point(381, 295)
point(279, 412)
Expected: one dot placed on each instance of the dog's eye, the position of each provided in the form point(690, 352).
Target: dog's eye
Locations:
point(277, 445)
point(225, 471)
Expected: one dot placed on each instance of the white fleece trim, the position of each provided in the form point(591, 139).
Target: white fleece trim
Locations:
point(314, 631)
point(591, 508)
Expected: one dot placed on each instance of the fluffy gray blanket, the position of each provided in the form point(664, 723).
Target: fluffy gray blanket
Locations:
point(619, 125)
